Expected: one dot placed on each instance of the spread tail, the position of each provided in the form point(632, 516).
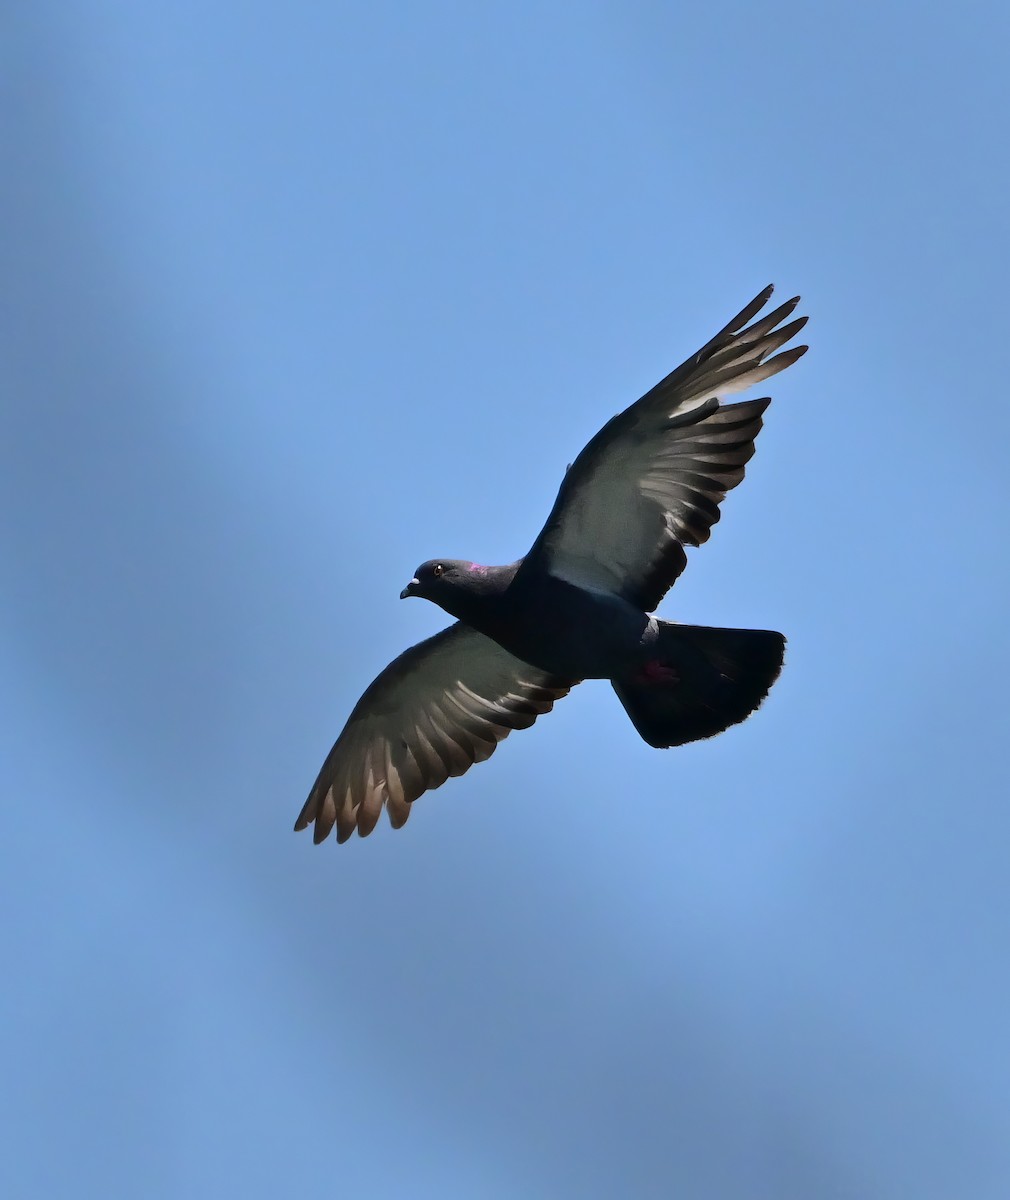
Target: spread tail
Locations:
point(700, 682)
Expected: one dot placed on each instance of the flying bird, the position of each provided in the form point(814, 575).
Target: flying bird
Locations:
point(578, 605)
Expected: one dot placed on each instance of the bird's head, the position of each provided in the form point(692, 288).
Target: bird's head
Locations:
point(435, 579)
point(454, 584)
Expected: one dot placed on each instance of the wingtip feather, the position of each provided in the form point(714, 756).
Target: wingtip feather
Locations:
point(751, 310)
point(787, 357)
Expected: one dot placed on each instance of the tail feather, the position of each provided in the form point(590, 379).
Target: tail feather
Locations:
point(702, 681)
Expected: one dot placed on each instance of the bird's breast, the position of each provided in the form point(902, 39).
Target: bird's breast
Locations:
point(570, 631)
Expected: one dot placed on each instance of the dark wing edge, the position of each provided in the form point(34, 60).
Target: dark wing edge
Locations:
point(691, 447)
point(437, 709)
point(736, 358)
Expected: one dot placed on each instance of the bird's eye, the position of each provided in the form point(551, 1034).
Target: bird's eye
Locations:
point(437, 570)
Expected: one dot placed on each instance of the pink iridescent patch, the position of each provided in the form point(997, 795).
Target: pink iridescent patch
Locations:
point(656, 672)
point(480, 570)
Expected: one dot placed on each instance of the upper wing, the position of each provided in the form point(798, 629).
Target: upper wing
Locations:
point(443, 705)
point(651, 480)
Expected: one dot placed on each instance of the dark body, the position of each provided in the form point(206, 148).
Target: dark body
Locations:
point(569, 631)
point(578, 605)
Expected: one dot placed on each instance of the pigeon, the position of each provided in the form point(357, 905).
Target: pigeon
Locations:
point(578, 606)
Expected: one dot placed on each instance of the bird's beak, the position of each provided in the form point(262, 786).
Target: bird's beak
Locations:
point(409, 589)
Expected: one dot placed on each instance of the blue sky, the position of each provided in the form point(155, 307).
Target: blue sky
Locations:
point(297, 298)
